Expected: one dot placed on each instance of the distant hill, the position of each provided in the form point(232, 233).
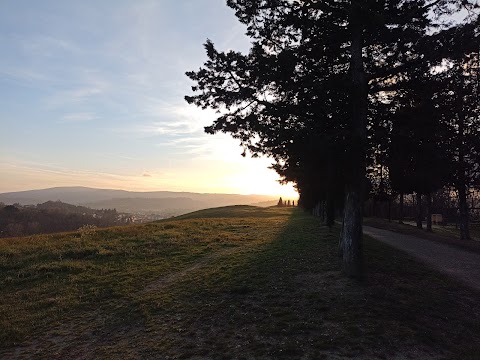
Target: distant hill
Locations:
point(131, 201)
point(72, 195)
point(54, 216)
point(64, 207)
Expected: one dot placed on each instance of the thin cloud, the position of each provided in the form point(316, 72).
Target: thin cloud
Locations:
point(91, 84)
point(48, 45)
point(171, 120)
point(77, 117)
point(158, 129)
point(23, 75)
point(73, 96)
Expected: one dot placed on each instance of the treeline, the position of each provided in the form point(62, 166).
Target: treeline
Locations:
point(53, 216)
point(353, 97)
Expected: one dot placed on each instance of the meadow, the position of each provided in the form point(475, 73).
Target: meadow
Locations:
point(228, 283)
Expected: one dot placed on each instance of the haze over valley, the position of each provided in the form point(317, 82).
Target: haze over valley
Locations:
point(168, 203)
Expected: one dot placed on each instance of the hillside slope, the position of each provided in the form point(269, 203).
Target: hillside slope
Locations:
point(235, 282)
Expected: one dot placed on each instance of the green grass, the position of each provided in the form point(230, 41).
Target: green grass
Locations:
point(237, 282)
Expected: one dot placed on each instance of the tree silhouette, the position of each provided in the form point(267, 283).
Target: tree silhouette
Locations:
point(459, 103)
point(314, 70)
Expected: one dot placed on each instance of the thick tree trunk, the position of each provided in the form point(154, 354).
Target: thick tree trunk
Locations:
point(352, 234)
point(340, 241)
point(330, 196)
point(461, 180)
point(330, 210)
point(419, 210)
point(317, 209)
point(429, 212)
point(400, 215)
point(351, 242)
point(463, 205)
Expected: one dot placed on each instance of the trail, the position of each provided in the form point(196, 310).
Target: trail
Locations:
point(459, 264)
point(175, 276)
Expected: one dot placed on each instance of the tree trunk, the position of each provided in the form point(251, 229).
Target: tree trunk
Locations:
point(330, 210)
point(429, 212)
point(352, 234)
point(340, 241)
point(330, 196)
point(419, 210)
point(389, 210)
point(318, 209)
point(352, 221)
point(463, 205)
point(461, 180)
point(400, 215)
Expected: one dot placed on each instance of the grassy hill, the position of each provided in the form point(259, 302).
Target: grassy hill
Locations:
point(236, 282)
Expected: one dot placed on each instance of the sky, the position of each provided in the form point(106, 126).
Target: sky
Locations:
point(92, 94)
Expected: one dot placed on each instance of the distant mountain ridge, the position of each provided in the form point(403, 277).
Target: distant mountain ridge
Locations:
point(133, 201)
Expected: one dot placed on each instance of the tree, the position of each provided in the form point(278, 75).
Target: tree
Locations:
point(460, 106)
point(417, 158)
point(315, 66)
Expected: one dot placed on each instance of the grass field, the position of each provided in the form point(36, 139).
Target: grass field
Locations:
point(237, 282)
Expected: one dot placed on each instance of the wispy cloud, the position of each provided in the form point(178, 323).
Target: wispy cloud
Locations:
point(45, 45)
point(164, 118)
point(23, 75)
point(73, 96)
point(77, 117)
point(156, 129)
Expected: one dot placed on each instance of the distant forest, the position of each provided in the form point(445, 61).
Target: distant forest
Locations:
point(54, 216)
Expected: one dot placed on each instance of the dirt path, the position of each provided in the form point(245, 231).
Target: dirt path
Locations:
point(175, 276)
point(460, 264)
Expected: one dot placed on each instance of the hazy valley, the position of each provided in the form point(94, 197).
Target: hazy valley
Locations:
point(52, 210)
point(134, 202)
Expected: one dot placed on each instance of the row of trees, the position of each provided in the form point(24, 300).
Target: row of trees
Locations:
point(332, 88)
point(283, 203)
point(433, 141)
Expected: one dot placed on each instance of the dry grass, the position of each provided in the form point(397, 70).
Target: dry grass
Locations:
point(237, 282)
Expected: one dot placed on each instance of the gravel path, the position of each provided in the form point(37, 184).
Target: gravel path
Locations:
point(458, 263)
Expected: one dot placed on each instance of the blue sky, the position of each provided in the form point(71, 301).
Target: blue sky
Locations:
point(91, 94)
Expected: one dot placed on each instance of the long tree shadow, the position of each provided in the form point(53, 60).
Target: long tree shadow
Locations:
point(282, 297)
point(288, 299)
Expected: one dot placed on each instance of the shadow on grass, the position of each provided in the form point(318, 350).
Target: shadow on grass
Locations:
point(277, 293)
point(289, 300)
